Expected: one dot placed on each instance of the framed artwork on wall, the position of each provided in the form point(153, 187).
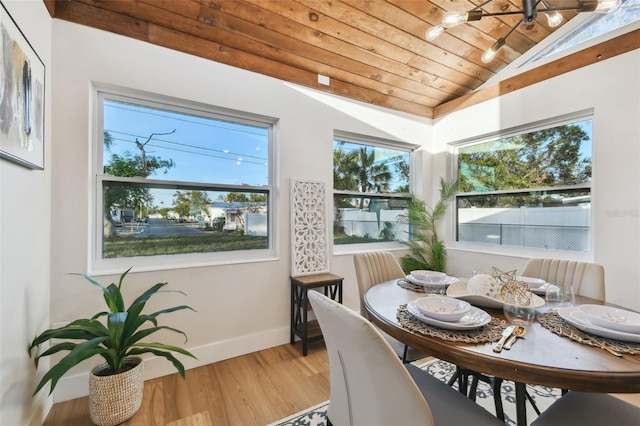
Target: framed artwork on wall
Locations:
point(22, 74)
point(309, 228)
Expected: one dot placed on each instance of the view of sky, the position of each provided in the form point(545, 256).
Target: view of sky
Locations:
point(597, 25)
point(204, 149)
point(387, 156)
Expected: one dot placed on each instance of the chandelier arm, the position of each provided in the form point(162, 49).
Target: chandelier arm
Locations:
point(519, 12)
point(480, 6)
point(512, 30)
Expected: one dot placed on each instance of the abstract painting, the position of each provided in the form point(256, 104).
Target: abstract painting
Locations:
point(22, 75)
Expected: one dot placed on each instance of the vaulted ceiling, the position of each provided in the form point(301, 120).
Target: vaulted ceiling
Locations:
point(372, 50)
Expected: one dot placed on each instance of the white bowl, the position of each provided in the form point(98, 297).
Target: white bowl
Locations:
point(431, 277)
point(531, 281)
point(612, 318)
point(442, 308)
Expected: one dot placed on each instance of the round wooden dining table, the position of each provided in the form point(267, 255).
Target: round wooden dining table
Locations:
point(541, 358)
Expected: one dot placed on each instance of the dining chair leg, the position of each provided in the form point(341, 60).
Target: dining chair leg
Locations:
point(532, 402)
point(521, 404)
point(497, 397)
point(404, 354)
point(457, 377)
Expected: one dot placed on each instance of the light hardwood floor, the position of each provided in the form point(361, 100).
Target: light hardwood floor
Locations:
point(254, 389)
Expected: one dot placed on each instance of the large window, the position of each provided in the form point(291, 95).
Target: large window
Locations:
point(178, 179)
point(594, 26)
point(371, 181)
point(530, 189)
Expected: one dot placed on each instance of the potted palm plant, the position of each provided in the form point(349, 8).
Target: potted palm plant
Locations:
point(427, 251)
point(116, 334)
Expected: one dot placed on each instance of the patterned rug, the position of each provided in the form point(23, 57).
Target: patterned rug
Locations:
point(543, 397)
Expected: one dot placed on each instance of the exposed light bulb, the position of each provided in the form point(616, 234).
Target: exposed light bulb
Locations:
point(490, 53)
point(554, 18)
point(434, 32)
point(451, 19)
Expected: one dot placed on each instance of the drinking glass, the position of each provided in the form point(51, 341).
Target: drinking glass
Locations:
point(559, 296)
point(434, 285)
point(518, 308)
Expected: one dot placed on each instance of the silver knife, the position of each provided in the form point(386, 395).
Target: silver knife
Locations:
point(505, 335)
point(510, 342)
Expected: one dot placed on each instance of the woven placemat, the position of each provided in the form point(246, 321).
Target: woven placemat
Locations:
point(410, 286)
point(487, 333)
point(423, 288)
point(554, 322)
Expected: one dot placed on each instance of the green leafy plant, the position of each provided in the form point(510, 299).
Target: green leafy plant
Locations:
point(119, 338)
point(427, 251)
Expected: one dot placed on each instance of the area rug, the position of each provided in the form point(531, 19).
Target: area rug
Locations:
point(543, 397)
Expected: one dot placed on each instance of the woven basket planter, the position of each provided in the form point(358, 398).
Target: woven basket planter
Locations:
point(116, 398)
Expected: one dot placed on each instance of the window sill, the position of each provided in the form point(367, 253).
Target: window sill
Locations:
point(523, 252)
point(349, 249)
point(163, 263)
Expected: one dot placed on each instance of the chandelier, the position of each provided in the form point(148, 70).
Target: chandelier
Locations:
point(529, 12)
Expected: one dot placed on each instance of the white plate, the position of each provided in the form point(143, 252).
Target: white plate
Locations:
point(612, 318)
point(431, 276)
point(459, 291)
point(449, 280)
point(579, 320)
point(542, 290)
point(442, 308)
point(532, 282)
point(475, 318)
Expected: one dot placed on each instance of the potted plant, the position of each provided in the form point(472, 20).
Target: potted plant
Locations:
point(115, 387)
point(427, 251)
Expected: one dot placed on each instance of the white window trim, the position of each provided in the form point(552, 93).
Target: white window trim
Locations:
point(516, 251)
point(96, 264)
point(373, 141)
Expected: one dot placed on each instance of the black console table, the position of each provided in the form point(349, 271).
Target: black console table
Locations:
point(300, 326)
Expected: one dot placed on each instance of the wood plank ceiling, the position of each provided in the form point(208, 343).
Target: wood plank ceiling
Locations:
point(372, 50)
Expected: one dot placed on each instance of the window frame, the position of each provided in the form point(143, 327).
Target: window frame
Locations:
point(99, 265)
point(376, 142)
point(453, 148)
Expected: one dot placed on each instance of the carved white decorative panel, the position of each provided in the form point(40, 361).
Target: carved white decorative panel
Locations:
point(309, 228)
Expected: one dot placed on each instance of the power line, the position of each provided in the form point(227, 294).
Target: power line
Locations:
point(183, 145)
point(118, 105)
point(198, 153)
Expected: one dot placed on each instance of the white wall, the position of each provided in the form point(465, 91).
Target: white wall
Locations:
point(25, 243)
point(243, 307)
point(612, 89)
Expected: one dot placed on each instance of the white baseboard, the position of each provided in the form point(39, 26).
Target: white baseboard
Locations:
point(76, 386)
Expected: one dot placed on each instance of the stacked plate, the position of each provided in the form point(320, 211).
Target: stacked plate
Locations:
point(537, 285)
point(447, 312)
point(604, 321)
point(431, 281)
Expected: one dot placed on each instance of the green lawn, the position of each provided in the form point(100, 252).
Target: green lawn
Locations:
point(128, 246)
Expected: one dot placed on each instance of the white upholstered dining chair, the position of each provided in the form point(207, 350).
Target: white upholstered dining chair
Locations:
point(589, 409)
point(587, 278)
point(369, 385)
point(373, 268)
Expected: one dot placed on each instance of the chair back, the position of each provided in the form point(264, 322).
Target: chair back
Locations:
point(373, 268)
point(587, 278)
point(369, 385)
